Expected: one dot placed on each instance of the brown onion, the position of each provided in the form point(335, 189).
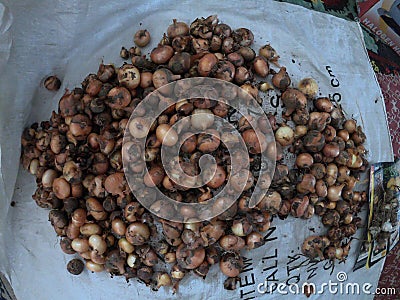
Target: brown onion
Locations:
point(321, 188)
point(254, 240)
point(78, 217)
point(80, 126)
point(318, 120)
point(301, 116)
point(137, 233)
point(236, 59)
point(208, 141)
point(215, 43)
point(218, 179)
point(281, 80)
point(323, 104)
point(223, 70)
point(200, 46)
point(179, 63)
point(202, 118)
point(284, 135)
point(334, 192)
point(344, 134)
point(350, 126)
point(166, 135)
point(154, 176)
point(293, 99)
point(95, 209)
point(89, 229)
point(300, 131)
point(142, 38)
point(129, 76)
point(308, 87)
point(48, 178)
point(261, 66)
point(318, 170)
point(80, 245)
point(269, 53)
point(256, 142)
point(242, 74)
point(206, 64)
point(97, 243)
point(189, 259)
point(307, 185)
point(177, 29)
point(243, 36)
point(271, 202)
point(61, 188)
point(161, 54)
point(304, 160)
point(343, 174)
point(232, 242)
point(231, 264)
point(299, 206)
point(139, 127)
point(331, 150)
point(146, 79)
point(163, 76)
point(329, 133)
point(314, 141)
point(331, 174)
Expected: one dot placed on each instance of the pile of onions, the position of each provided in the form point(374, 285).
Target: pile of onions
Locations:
point(76, 158)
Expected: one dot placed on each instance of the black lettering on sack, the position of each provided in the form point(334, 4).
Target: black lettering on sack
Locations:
point(291, 265)
point(270, 231)
point(329, 69)
point(295, 263)
point(275, 255)
point(335, 83)
point(293, 280)
point(246, 281)
point(329, 265)
point(313, 272)
point(304, 263)
point(247, 265)
point(271, 277)
point(271, 269)
point(274, 262)
point(312, 269)
point(293, 258)
point(243, 294)
point(336, 97)
point(289, 269)
point(274, 266)
point(274, 101)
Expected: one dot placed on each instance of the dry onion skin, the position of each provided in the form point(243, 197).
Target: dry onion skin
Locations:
point(76, 158)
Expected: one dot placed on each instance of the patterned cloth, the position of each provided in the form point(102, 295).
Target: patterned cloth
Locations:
point(390, 85)
point(6, 292)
